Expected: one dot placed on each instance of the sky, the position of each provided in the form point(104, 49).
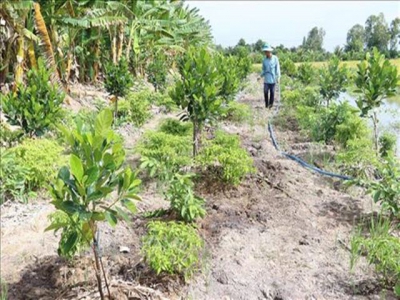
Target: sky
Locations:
point(287, 22)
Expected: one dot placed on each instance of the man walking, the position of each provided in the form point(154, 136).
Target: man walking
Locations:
point(271, 73)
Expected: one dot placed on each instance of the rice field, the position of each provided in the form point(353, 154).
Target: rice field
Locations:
point(352, 64)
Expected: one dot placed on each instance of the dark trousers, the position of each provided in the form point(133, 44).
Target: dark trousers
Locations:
point(269, 88)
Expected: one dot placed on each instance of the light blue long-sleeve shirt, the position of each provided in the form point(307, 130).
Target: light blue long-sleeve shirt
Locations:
point(271, 70)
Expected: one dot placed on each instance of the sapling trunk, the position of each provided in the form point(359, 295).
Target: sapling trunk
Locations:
point(196, 138)
point(375, 123)
point(105, 279)
point(116, 109)
point(97, 269)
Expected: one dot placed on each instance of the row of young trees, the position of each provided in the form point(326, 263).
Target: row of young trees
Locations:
point(310, 100)
point(206, 83)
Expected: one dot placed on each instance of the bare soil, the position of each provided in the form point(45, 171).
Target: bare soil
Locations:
point(282, 234)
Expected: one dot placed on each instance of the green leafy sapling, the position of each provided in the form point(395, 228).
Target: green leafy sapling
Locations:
point(36, 105)
point(376, 80)
point(117, 81)
point(333, 80)
point(84, 190)
point(197, 90)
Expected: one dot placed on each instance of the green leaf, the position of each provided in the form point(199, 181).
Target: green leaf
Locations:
point(111, 219)
point(377, 196)
point(70, 243)
point(133, 196)
point(129, 205)
point(123, 214)
point(397, 289)
point(92, 174)
point(135, 183)
point(94, 196)
point(103, 122)
point(69, 207)
point(64, 174)
point(98, 216)
point(56, 226)
point(76, 167)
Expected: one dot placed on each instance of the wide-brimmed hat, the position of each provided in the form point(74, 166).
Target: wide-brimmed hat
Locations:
point(267, 48)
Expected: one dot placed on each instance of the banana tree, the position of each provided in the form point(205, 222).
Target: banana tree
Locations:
point(13, 16)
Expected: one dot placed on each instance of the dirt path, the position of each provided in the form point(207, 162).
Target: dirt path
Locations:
point(283, 236)
point(280, 235)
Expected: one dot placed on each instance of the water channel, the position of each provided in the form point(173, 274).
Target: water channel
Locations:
point(388, 115)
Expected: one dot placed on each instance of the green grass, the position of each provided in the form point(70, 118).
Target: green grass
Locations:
point(256, 68)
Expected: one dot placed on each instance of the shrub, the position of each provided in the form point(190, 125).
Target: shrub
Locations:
point(229, 68)
point(37, 105)
point(307, 96)
point(323, 124)
point(256, 67)
point(382, 249)
point(288, 67)
point(333, 80)
point(387, 144)
point(183, 201)
point(157, 71)
point(306, 73)
point(244, 67)
point(176, 127)
point(225, 156)
point(123, 113)
point(352, 128)
point(135, 108)
point(13, 177)
point(337, 114)
point(308, 118)
point(358, 159)
point(291, 97)
point(172, 247)
point(9, 136)
point(256, 58)
point(42, 157)
point(387, 189)
point(236, 112)
point(163, 150)
point(163, 100)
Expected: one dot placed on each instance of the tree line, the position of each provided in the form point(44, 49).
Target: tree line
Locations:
point(375, 33)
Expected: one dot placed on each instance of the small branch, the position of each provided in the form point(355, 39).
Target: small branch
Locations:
point(105, 278)
point(97, 269)
point(344, 245)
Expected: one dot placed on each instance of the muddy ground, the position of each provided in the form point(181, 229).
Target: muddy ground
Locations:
point(282, 234)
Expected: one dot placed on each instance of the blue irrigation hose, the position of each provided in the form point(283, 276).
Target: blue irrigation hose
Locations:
point(322, 172)
point(295, 158)
point(272, 135)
